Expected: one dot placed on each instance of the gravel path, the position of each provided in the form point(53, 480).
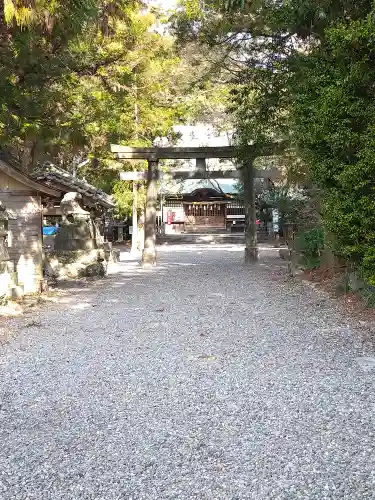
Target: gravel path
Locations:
point(201, 379)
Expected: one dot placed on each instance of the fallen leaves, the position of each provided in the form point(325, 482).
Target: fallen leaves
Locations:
point(33, 323)
point(207, 357)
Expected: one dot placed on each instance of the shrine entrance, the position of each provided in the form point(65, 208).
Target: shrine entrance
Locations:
point(204, 213)
point(202, 216)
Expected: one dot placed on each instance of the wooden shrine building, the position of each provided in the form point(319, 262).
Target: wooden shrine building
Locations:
point(21, 198)
point(204, 206)
point(25, 203)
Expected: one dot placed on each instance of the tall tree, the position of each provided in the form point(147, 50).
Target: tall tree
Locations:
point(43, 48)
point(307, 76)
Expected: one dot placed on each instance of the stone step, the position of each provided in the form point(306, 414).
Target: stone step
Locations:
point(201, 238)
point(203, 230)
point(175, 239)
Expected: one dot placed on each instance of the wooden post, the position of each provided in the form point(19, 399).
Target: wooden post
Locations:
point(251, 250)
point(149, 251)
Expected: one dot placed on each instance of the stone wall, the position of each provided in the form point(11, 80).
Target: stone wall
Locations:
point(77, 264)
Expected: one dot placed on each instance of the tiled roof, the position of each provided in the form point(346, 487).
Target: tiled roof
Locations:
point(53, 176)
point(226, 186)
point(12, 168)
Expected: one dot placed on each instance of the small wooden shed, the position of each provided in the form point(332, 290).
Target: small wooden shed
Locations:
point(22, 198)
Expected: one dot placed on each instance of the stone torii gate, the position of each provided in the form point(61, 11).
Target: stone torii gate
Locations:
point(200, 154)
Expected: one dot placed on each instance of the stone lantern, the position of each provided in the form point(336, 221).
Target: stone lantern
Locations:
point(4, 218)
point(75, 232)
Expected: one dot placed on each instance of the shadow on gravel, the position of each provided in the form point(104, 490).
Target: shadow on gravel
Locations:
point(129, 277)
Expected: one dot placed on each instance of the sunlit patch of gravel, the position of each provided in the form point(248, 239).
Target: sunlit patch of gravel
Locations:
point(200, 379)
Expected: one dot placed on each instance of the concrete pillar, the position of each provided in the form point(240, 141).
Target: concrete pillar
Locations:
point(135, 219)
point(149, 251)
point(251, 249)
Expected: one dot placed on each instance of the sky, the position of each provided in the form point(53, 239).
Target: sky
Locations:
point(200, 134)
point(165, 4)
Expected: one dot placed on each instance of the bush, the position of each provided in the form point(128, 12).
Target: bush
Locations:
point(310, 244)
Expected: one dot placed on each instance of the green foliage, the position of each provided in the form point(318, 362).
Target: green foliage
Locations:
point(310, 245)
point(288, 203)
point(78, 93)
point(122, 193)
point(45, 57)
point(47, 13)
point(79, 75)
point(368, 295)
point(305, 73)
point(333, 115)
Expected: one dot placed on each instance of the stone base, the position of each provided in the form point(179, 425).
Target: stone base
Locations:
point(29, 274)
point(251, 255)
point(199, 239)
point(73, 265)
point(108, 251)
point(148, 257)
point(6, 284)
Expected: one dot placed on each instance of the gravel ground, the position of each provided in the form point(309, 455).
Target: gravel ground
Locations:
point(201, 379)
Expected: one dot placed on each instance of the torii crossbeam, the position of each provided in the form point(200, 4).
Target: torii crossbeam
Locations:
point(154, 154)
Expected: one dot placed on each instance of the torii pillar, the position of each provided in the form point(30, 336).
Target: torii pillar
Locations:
point(251, 248)
point(153, 154)
point(149, 250)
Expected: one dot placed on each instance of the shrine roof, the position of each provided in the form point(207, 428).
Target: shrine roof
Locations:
point(64, 181)
point(226, 186)
point(12, 168)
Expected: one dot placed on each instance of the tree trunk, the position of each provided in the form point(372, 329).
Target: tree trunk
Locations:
point(251, 250)
point(149, 251)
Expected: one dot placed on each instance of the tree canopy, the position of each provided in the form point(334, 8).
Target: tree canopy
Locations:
point(303, 71)
point(78, 75)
